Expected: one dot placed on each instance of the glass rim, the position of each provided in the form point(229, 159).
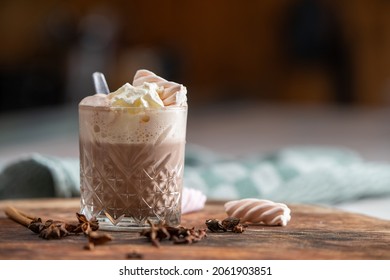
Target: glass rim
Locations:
point(124, 108)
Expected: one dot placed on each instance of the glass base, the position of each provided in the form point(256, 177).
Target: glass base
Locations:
point(128, 224)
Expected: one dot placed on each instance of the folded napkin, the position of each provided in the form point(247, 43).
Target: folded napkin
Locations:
point(36, 175)
point(296, 174)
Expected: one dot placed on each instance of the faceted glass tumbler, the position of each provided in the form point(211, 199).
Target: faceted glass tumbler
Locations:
point(131, 165)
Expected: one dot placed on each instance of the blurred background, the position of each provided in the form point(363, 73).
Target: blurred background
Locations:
point(289, 51)
point(261, 75)
point(275, 69)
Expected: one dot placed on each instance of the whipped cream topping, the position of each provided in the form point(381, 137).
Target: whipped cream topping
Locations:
point(171, 93)
point(98, 100)
point(259, 211)
point(143, 96)
point(148, 91)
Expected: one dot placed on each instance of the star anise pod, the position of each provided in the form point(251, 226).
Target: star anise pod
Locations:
point(73, 227)
point(36, 225)
point(230, 222)
point(53, 230)
point(239, 228)
point(86, 225)
point(97, 238)
point(191, 237)
point(214, 225)
point(134, 255)
point(179, 235)
point(177, 231)
point(155, 233)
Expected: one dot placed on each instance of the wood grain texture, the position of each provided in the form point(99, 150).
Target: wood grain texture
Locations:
point(314, 232)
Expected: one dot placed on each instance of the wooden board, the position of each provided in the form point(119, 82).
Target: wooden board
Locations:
point(313, 233)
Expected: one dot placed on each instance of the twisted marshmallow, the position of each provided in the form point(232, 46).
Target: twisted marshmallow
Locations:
point(192, 200)
point(259, 211)
point(171, 93)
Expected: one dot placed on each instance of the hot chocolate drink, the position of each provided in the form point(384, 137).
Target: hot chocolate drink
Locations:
point(131, 162)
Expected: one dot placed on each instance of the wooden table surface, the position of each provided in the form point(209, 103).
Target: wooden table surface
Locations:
point(313, 233)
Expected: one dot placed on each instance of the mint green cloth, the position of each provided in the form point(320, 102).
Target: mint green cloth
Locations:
point(296, 174)
point(36, 175)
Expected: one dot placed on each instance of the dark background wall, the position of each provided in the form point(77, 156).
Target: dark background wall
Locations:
point(297, 51)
